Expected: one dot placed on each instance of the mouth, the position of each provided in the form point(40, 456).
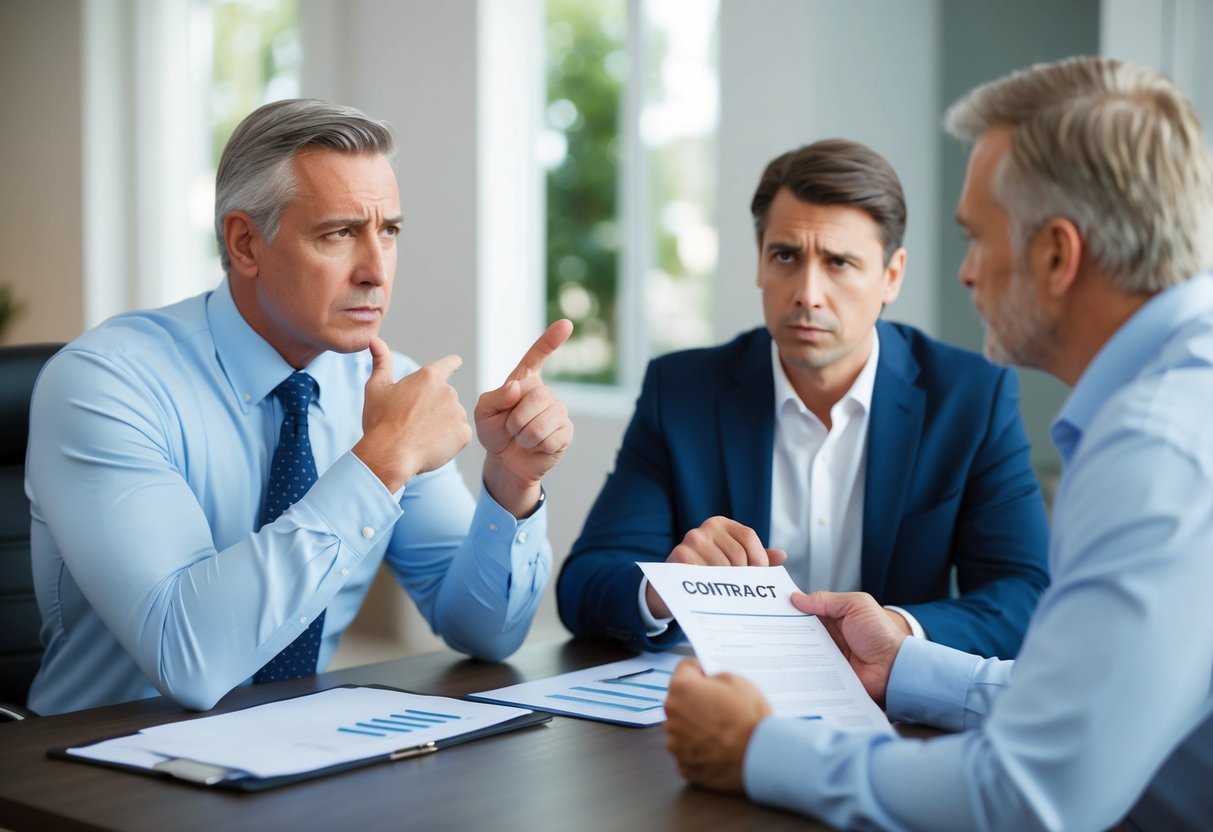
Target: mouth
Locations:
point(808, 332)
point(365, 314)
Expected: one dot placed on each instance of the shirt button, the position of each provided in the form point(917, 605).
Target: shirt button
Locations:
point(248, 397)
point(344, 572)
point(522, 537)
point(303, 619)
point(823, 521)
point(368, 532)
point(492, 527)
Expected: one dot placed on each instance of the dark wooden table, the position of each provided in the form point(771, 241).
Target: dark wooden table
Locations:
point(570, 774)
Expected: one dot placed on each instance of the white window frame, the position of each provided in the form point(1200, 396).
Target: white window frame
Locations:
point(511, 189)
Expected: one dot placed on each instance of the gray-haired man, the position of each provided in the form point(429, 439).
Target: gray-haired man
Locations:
point(214, 484)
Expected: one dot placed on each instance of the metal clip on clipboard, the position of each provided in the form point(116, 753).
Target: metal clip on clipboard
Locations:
point(195, 772)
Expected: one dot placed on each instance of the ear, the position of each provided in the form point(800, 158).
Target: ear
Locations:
point(1055, 254)
point(893, 273)
point(240, 236)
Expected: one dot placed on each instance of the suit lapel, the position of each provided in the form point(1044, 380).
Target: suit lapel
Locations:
point(747, 433)
point(894, 430)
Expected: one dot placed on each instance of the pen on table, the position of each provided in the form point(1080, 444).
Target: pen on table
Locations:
point(627, 675)
point(413, 752)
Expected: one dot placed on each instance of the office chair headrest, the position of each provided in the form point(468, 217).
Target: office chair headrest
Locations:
point(19, 368)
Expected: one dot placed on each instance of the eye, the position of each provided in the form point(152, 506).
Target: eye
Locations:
point(781, 256)
point(340, 234)
point(839, 263)
point(392, 231)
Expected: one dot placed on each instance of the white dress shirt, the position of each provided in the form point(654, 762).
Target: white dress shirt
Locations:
point(817, 481)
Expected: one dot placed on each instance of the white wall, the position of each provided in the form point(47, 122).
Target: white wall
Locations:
point(41, 216)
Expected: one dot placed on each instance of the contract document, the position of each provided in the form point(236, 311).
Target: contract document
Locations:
point(740, 620)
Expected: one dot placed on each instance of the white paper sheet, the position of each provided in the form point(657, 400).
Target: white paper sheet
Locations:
point(628, 692)
point(305, 733)
point(740, 619)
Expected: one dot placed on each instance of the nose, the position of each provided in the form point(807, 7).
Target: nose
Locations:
point(810, 286)
point(374, 263)
point(967, 272)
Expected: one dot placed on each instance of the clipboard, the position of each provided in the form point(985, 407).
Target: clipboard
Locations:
point(204, 769)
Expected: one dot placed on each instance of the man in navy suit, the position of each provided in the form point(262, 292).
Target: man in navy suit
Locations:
point(861, 453)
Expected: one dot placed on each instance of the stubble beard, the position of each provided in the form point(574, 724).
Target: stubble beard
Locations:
point(1019, 334)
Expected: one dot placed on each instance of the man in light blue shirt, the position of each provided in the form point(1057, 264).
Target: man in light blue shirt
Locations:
point(1088, 203)
point(152, 438)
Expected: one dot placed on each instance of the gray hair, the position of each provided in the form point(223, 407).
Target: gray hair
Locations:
point(1117, 149)
point(255, 173)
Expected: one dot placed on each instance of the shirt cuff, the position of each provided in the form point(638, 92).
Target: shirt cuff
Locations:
point(812, 767)
point(517, 550)
point(929, 684)
point(653, 626)
point(353, 503)
point(916, 629)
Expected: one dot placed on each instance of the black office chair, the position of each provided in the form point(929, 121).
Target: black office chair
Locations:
point(20, 649)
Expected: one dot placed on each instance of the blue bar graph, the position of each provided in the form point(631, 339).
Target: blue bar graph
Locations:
point(645, 691)
point(404, 723)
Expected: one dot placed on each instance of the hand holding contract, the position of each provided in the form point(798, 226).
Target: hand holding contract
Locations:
point(740, 620)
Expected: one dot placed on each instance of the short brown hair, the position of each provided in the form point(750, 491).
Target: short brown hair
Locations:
point(837, 172)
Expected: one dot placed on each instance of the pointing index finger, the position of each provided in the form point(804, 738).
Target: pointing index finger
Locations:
point(447, 365)
point(541, 350)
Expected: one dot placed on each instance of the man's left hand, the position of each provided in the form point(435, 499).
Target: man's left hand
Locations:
point(709, 721)
point(524, 427)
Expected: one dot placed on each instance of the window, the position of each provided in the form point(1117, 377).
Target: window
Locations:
point(165, 83)
point(628, 147)
point(245, 53)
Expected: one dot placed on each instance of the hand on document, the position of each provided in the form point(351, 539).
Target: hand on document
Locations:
point(863, 631)
point(768, 653)
point(709, 720)
point(718, 541)
point(740, 620)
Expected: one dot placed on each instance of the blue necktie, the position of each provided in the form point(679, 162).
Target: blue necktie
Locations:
point(292, 473)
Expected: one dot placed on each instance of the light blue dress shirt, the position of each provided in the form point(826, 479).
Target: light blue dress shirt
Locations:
point(1115, 677)
point(150, 445)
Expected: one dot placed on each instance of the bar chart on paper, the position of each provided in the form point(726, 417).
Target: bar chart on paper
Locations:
point(630, 692)
point(306, 733)
point(410, 721)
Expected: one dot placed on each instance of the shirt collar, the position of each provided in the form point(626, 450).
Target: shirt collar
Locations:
point(252, 366)
point(861, 389)
point(1123, 357)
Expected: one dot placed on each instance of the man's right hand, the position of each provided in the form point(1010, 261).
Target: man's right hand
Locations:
point(413, 425)
point(864, 632)
point(718, 541)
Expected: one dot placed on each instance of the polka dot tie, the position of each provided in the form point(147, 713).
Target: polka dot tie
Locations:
point(292, 473)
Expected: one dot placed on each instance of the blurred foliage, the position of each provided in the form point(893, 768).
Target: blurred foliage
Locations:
point(257, 57)
point(586, 56)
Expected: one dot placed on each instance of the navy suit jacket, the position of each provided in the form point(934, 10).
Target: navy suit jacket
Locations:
point(949, 483)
